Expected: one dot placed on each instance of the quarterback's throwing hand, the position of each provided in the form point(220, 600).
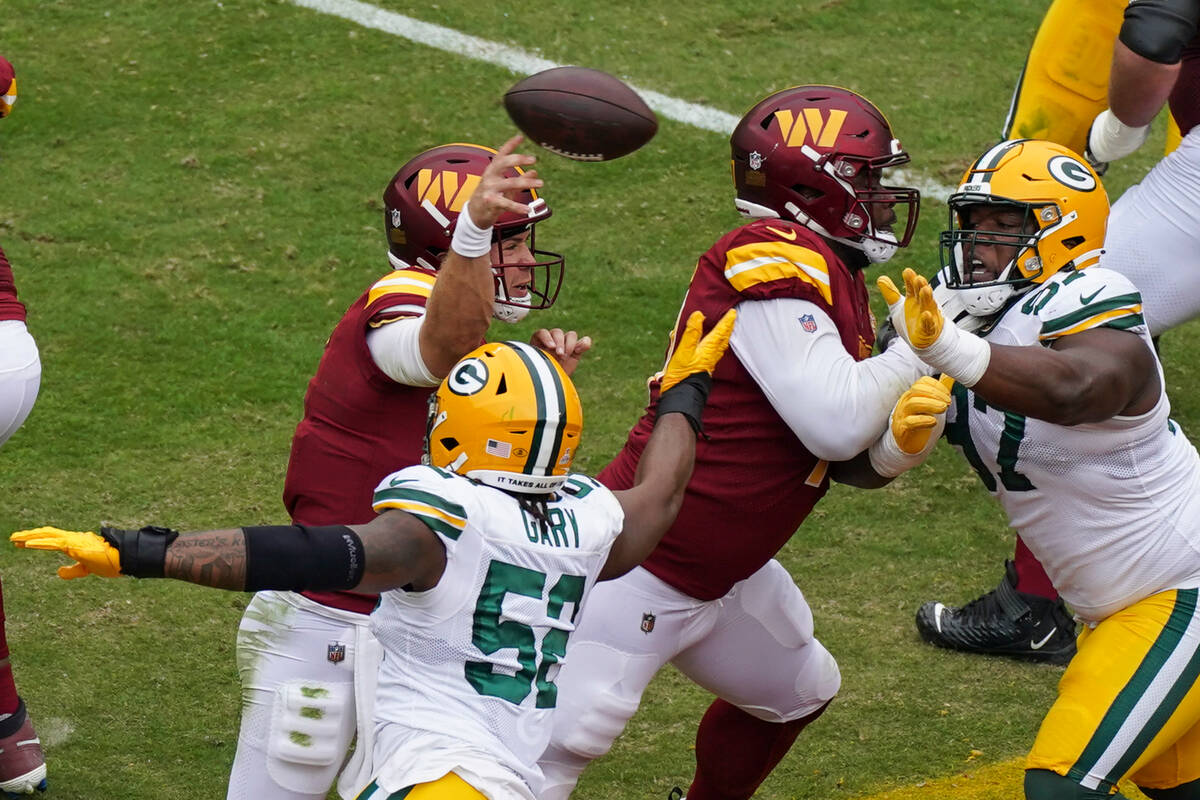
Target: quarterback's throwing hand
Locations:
point(93, 555)
point(915, 314)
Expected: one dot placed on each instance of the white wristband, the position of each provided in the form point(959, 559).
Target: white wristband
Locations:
point(1110, 139)
point(470, 241)
point(888, 460)
point(961, 355)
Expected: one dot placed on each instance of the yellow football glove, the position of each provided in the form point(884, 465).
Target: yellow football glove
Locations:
point(695, 354)
point(915, 314)
point(915, 416)
point(92, 554)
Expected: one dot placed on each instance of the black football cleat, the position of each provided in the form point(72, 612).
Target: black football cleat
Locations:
point(1003, 622)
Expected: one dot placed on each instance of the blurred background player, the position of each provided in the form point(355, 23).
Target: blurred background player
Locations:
point(1060, 408)
point(1150, 53)
point(485, 558)
point(22, 765)
point(796, 403)
point(455, 265)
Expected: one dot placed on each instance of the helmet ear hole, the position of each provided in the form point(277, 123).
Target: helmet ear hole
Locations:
point(449, 442)
point(808, 193)
point(503, 387)
point(1073, 242)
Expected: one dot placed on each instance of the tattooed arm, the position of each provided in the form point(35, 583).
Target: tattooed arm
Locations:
point(393, 550)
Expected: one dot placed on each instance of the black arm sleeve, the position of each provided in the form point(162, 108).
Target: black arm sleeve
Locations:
point(1158, 30)
point(299, 558)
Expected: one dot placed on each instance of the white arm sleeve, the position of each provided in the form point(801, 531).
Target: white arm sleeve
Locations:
point(396, 349)
point(835, 405)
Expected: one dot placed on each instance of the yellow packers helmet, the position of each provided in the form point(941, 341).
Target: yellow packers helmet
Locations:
point(506, 416)
point(1065, 211)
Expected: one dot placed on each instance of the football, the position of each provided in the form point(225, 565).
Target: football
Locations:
point(580, 113)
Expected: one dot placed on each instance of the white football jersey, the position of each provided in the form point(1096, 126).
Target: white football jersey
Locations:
point(468, 670)
point(1111, 509)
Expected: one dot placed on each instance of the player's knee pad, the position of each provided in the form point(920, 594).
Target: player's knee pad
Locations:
point(591, 733)
point(1184, 791)
point(772, 598)
point(1042, 784)
point(312, 723)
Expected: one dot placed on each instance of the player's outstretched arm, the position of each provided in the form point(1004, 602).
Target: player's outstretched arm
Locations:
point(666, 464)
point(1088, 376)
point(460, 306)
point(394, 549)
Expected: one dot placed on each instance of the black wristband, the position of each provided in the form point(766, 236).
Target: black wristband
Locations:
point(688, 398)
point(142, 552)
point(299, 558)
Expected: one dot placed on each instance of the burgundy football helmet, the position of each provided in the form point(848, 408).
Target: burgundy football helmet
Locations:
point(796, 156)
point(421, 205)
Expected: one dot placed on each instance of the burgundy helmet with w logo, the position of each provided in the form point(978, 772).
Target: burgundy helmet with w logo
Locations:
point(421, 205)
point(815, 155)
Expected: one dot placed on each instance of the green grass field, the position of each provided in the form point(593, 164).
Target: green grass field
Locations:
point(189, 194)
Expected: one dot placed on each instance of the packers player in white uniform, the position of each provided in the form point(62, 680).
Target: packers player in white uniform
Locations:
point(1060, 407)
point(484, 557)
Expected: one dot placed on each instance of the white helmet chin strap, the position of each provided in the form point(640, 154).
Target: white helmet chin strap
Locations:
point(983, 301)
point(512, 314)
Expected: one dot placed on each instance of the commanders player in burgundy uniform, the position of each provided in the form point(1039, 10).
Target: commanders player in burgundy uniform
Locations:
point(795, 403)
point(455, 265)
point(22, 765)
point(1153, 239)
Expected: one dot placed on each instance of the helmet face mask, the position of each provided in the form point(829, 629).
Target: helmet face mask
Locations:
point(506, 416)
point(421, 207)
point(544, 273)
point(816, 155)
point(1044, 211)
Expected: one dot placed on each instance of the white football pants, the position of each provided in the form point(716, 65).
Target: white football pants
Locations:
point(754, 648)
point(20, 376)
point(308, 676)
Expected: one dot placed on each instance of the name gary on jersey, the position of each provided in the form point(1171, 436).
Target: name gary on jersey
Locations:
point(558, 529)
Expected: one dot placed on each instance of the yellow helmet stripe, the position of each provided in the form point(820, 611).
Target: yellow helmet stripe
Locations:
point(547, 439)
point(762, 262)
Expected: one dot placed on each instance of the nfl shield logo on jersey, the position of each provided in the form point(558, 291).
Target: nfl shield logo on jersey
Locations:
point(809, 323)
point(336, 653)
point(647, 622)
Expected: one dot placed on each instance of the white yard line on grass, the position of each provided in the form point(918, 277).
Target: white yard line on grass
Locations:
point(523, 63)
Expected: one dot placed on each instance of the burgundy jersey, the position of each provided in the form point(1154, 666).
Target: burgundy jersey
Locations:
point(359, 425)
point(754, 481)
point(10, 306)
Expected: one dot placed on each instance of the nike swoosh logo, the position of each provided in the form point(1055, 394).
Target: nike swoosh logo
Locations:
point(1092, 296)
point(1046, 638)
point(789, 235)
point(937, 616)
point(398, 481)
